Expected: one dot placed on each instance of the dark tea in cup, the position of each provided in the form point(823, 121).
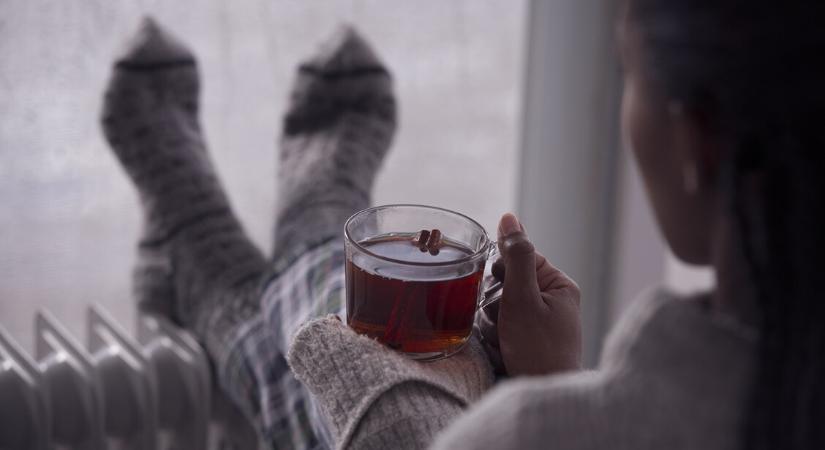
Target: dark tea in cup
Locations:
point(417, 300)
point(409, 313)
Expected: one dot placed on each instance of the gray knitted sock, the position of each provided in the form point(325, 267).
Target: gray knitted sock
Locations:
point(338, 128)
point(409, 417)
point(372, 397)
point(195, 260)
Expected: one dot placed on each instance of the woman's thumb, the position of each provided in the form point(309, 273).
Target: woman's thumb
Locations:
point(519, 255)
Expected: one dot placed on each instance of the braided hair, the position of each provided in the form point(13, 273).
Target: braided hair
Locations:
point(755, 71)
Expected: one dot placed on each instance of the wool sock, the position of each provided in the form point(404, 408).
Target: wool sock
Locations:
point(195, 262)
point(373, 398)
point(339, 126)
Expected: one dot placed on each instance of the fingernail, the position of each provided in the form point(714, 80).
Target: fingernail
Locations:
point(509, 225)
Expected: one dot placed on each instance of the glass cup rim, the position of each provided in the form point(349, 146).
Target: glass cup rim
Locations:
point(482, 251)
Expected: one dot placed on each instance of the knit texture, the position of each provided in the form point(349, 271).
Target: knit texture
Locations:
point(372, 397)
point(337, 130)
point(339, 127)
point(195, 262)
point(674, 375)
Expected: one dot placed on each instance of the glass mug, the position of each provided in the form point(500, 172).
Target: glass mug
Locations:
point(414, 299)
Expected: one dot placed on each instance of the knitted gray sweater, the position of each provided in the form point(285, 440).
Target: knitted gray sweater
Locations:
point(673, 375)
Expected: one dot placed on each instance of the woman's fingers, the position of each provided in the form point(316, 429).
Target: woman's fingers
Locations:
point(550, 278)
point(532, 273)
point(499, 269)
point(538, 325)
point(520, 259)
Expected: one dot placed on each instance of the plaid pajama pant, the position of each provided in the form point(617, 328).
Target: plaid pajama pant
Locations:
point(256, 375)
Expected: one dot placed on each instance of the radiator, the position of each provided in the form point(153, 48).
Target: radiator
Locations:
point(152, 391)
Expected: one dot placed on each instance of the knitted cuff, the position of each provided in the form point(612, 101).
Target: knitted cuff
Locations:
point(348, 373)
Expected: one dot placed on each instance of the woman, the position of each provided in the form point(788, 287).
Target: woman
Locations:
point(721, 105)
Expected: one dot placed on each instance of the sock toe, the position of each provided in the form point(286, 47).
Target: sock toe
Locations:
point(154, 46)
point(154, 83)
point(344, 76)
point(345, 52)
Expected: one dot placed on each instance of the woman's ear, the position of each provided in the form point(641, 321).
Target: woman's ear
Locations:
point(696, 149)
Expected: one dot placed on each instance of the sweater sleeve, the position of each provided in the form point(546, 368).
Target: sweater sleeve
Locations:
point(372, 397)
point(553, 412)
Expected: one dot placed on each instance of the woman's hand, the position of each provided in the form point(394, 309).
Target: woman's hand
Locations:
point(538, 329)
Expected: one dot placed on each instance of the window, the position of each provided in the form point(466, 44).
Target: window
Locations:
point(69, 218)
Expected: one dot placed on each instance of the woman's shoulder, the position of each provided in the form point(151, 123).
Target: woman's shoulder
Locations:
point(537, 412)
point(647, 311)
point(662, 327)
point(672, 375)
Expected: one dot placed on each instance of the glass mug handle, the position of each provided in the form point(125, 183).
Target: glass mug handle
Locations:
point(492, 286)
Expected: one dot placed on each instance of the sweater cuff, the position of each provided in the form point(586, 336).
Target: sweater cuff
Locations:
point(347, 373)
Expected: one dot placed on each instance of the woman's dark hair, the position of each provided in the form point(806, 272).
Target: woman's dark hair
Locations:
point(754, 72)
